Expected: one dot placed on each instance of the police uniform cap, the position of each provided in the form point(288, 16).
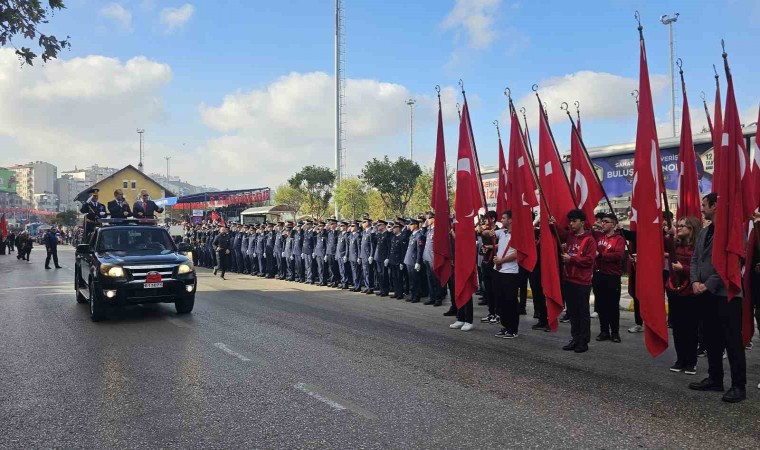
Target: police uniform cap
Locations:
point(381, 221)
point(93, 191)
point(431, 214)
point(344, 223)
point(367, 219)
point(397, 225)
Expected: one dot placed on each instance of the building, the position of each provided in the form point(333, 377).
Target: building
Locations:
point(131, 181)
point(90, 175)
point(67, 188)
point(47, 201)
point(34, 178)
point(178, 187)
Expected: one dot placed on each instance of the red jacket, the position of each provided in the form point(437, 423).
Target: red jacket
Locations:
point(611, 251)
point(679, 283)
point(582, 250)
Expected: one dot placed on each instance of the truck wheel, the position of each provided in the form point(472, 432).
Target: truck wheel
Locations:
point(97, 307)
point(184, 305)
point(80, 298)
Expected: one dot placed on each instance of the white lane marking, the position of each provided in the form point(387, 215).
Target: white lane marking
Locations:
point(39, 286)
point(308, 390)
point(230, 352)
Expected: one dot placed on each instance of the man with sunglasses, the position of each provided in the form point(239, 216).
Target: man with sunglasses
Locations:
point(145, 208)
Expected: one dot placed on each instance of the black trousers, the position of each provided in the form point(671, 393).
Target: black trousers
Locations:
point(539, 299)
point(488, 273)
point(223, 259)
point(754, 280)
point(464, 314)
point(414, 281)
point(435, 291)
point(684, 316)
point(723, 331)
point(576, 297)
point(523, 289)
point(271, 266)
point(506, 287)
point(381, 278)
point(607, 301)
point(397, 280)
point(53, 252)
point(636, 307)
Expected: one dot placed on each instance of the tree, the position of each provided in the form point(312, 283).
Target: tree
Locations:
point(22, 18)
point(375, 206)
point(423, 191)
point(316, 183)
point(394, 180)
point(351, 197)
point(287, 195)
point(67, 218)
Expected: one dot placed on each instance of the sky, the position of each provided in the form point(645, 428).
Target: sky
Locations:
point(240, 93)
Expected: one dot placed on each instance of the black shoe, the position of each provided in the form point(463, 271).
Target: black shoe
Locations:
point(414, 300)
point(603, 337)
point(214, 271)
point(707, 385)
point(570, 346)
point(450, 313)
point(384, 294)
point(735, 395)
point(523, 312)
point(677, 367)
point(482, 303)
point(58, 267)
point(47, 267)
point(223, 277)
point(615, 338)
point(581, 348)
point(538, 326)
point(429, 302)
point(502, 333)
point(369, 291)
point(437, 304)
point(564, 319)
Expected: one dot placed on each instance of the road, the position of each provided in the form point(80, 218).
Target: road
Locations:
point(270, 364)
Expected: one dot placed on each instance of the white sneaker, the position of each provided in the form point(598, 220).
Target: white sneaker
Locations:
point(594, 315)
point(467, 326)
point(456, 325)
point(636, 329)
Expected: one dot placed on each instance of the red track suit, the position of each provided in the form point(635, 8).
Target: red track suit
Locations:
point(683, 309)
point(576, 284)
point(606, 282)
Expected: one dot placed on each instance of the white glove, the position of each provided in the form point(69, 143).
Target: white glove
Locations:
point(345, 259)
point(325, 258)
point(303, 255)
point(292, 257)
point(370, 260)
point(401, 266)
point(417, 267)
point(385, 263)
point(283, 254)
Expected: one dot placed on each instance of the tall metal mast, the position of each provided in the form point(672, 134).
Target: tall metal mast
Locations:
point(340, 93)
point(140, 131)
point(669, 21)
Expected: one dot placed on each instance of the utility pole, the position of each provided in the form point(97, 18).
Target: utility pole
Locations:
point(669, 21)
point(167, 158)
point(340, 94)
point(141, 131)
point(411, 103)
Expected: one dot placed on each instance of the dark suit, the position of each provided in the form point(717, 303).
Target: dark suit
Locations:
point(146, 210)
point(722, 317)
point(382, 252)
point(119, 211)
point(93, 212)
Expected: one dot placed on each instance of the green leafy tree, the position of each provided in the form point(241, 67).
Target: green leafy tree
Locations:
point(22, 18)
point(395, 180)
point(375, 206)
point(287, 195)
point(317, 184)
point(423, 191)
point(351, 197)
point(67, 218)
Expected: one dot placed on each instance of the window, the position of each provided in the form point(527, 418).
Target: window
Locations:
point(125, 184)
point(134, 184)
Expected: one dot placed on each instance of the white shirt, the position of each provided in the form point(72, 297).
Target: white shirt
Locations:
point(504, 239)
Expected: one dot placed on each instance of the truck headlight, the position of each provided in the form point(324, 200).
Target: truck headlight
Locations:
point(112, 271)
point(184, 268)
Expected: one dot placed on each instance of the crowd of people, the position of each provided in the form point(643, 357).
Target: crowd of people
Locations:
point(395, 258)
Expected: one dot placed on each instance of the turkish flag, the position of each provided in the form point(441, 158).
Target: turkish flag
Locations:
point(466, 205)
point(501, 193)
point(558, 200)
point(689, 202)
point(647, 213)
point(717, 130)
point(736, 200)
point(439, 201)
point(3, 228)
point(588, 193)
point(521, 197)
point(756, 162)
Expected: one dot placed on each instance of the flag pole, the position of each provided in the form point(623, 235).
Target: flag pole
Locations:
point(578, 110)
point(446, 175)
point(707, 113)
point(475, 154)
point(556, 150)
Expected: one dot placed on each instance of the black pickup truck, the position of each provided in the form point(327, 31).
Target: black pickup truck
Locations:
point(128, 262)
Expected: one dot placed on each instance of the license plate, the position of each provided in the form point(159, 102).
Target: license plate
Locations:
point(153, 285)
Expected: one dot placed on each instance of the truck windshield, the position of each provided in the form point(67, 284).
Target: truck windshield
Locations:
point(138, 241)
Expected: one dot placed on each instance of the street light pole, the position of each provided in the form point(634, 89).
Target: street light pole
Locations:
point(669, 20)
point(167, 158)
point(411, 103)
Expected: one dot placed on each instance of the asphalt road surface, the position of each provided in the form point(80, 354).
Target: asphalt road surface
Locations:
point(270, 364)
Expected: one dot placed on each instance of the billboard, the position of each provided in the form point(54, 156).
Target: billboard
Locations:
point(7, 180)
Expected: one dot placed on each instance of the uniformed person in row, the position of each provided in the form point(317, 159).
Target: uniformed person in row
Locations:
point(251, 249)
point(396, 261)
point(413, 259)
point(278, 248)
point(271, 262)
point(341, 254)
point(320, 253)
point(297, 250)
point(367, 254)
point(354, 242)
point(244, 249)
point(93, 211)
point(307, 251)
point(331, 267)
point(287, 252)
point(381, 255)
point(261, 249)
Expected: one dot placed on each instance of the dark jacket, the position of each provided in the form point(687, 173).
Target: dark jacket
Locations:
point(702, 269)
point(148, 211)
point(383, 245)
point(222, 241)
point(117, 211)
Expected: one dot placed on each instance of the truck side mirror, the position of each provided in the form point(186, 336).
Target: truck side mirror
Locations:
point(185, 247)
point(83, 248)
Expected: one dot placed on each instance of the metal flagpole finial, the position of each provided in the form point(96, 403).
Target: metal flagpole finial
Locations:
point(438, 89)
point(716, 73)
point(522, 110)
point(564, 106)
point(459, 111)
point(679, 63)
point(637, 16)
point(577, 106)
point(534, 88)
point(635, 94)
point(461, 85)
point(723, 46)
point(508, 92)
point(496, 123)
point(702, 94)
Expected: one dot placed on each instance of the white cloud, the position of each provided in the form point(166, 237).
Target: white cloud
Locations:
point(268, 134)
point(600, 95)
point(119, 14)
point(78, 111)
point(476, 18)
point(175, 18)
